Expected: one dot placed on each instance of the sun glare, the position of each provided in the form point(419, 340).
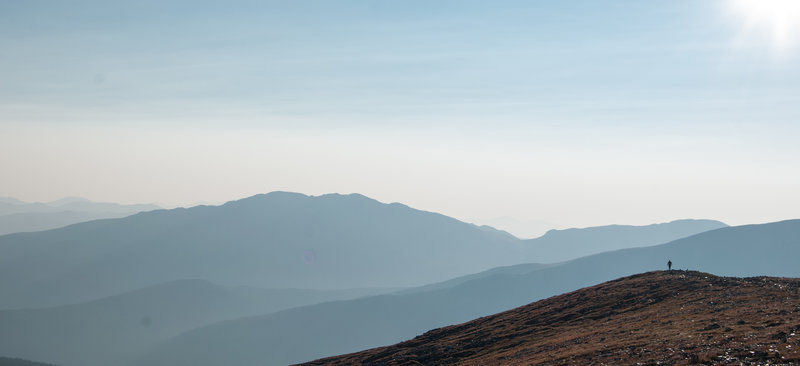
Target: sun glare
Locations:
point(777, 19)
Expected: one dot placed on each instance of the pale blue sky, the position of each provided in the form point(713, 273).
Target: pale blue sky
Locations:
point(572, 112)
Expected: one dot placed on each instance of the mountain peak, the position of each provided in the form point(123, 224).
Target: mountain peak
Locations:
point(275, 195)
point(293, 196)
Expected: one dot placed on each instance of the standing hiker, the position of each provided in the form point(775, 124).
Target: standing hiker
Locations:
point(669, 264)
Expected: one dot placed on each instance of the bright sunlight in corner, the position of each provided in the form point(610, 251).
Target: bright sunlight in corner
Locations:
point(778, 19)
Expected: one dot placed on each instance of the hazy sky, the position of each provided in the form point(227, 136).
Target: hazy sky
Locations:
point(575, 113)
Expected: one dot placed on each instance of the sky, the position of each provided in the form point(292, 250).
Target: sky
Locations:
point(528, 115)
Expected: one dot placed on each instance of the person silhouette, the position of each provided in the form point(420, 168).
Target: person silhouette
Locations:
point(669, 264)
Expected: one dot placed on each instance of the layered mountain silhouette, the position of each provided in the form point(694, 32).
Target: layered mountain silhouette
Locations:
point(276, 240)
point(133, 288)
point(665, 317)
point(306, 333)
point(110, 331)
point(18, 216)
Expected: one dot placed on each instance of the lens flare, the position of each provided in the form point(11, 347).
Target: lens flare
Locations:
point(777, 19)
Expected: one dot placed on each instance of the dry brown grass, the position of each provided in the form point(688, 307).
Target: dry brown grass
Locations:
point(655, 318)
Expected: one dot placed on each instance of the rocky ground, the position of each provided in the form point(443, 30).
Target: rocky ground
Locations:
point(655, 318)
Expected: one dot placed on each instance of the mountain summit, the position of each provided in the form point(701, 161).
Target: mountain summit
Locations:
point(275, 240)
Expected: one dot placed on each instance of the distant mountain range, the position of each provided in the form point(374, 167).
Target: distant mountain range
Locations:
point(18, 216)
point(306, 333)
point(664, 317)
point(276, 240)
point(125, 288)
point(561, 245)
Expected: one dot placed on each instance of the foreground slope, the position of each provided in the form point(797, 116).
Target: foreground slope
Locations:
point(306, 333)
point(664, 317)
point(110, 331)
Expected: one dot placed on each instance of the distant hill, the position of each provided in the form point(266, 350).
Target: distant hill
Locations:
point(276, 240)
point(506, 270)
point(10, 205)
point(562, 245)
point(674, 317)
point(6, 361)
point(39, 221)
point(11, 200)
point(112, 330)
point(305, 333)
point(17, 216)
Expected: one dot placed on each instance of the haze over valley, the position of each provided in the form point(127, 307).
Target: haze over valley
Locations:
point(438, 182)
